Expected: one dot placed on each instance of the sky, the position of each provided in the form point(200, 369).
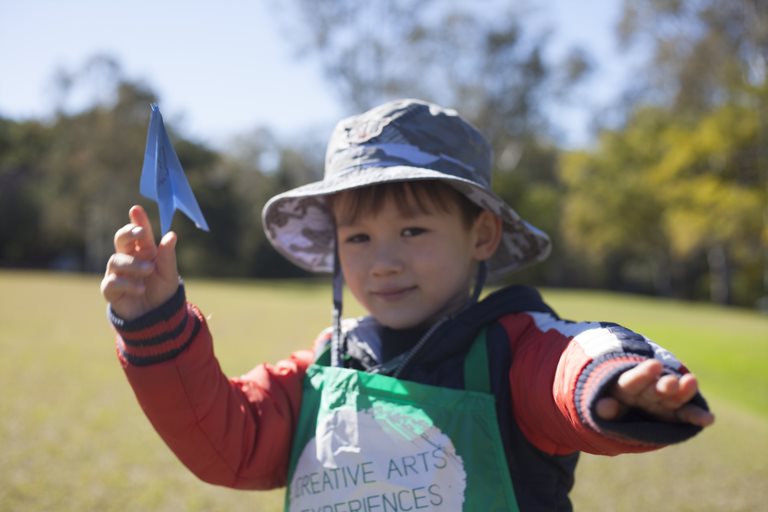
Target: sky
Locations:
point(223, 68)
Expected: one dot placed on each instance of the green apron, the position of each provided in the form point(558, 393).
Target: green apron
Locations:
point(373, 443)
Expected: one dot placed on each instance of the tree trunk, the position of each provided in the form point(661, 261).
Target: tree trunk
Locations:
point(719, 274)
point(663, 272)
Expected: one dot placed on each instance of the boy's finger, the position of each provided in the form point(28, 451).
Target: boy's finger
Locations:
point(114, 286)
point(695, 415)
point(145, 240)
point(127, 285)
point(668, 387)
point(123, 238)
point(687, 388)
point(139, 216)
point(125, 264)
point(166, 256)
point(634, 382)
point(126, 237)
point(609, 408)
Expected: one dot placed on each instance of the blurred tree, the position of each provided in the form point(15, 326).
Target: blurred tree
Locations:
point(66, 185)
point(611, 212)
point(259, 166)
point(477, 57)
point(663, 194)
point(690, 156)
point(92, 165)
point(22, 146)
point(91, 168)
point(702, 52)
point(708, 177)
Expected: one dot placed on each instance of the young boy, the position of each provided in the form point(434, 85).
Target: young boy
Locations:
point(435, 400)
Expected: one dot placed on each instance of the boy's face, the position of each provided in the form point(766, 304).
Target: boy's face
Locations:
point(409, 269)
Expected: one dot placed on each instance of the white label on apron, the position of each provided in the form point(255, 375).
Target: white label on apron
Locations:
point(377, 460)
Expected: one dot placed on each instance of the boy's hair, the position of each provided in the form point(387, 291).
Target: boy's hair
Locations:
point(410, 197)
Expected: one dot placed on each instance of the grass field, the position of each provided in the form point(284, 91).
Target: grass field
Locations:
point(74, 439)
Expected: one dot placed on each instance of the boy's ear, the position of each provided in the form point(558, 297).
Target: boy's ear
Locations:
point(487, 232)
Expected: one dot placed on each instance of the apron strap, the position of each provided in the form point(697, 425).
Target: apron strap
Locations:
point(324, 357)
point(476, 377)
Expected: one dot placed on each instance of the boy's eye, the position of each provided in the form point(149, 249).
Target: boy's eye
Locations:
point(413, 231)
point(357, 238)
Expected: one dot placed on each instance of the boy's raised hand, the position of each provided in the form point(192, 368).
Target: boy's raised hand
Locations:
point(664, 396)
point(140, 275)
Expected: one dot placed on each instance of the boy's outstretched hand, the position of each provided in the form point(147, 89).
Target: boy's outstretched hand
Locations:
point(141, 275)
point(664, 396)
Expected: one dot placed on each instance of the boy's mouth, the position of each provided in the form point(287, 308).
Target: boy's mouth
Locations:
point(392, 294)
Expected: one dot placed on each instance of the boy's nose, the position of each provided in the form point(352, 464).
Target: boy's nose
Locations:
point(386, 260)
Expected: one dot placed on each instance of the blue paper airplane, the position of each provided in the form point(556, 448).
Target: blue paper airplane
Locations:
point(163, 179)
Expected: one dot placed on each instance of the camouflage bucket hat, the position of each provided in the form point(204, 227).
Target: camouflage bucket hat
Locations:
point(402, 140)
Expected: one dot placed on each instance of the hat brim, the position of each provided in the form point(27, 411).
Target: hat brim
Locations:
point(300, 226)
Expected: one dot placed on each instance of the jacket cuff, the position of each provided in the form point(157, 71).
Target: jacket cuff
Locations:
point(637, 426)
point(158, 335)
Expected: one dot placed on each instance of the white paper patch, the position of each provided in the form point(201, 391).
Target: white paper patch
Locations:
point(378, 460)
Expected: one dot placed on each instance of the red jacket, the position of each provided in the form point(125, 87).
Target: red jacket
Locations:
point(546, 375)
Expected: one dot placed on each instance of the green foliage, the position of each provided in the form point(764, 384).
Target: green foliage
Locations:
point(22, 146)
point(665, 189)
point(67, 186)
point(709, 177)
point(680, 186)
point(91, 170)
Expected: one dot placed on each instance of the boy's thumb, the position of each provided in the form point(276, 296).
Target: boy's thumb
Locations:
point(166, 254)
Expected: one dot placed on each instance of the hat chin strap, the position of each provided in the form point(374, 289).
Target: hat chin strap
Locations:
point(482, 274)
point(338, 294)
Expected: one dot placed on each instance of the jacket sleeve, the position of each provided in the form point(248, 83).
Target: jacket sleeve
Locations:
point(231, 432)
point(559, 371)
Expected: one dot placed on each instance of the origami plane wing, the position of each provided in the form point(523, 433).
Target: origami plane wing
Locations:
point(163, 179)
